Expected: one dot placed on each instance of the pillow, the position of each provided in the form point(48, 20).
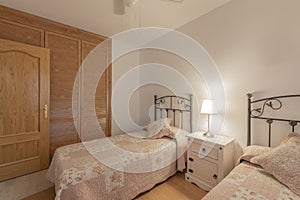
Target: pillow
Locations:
point(252, 151)
point(179, 131)
point(291, 134)
point(170, 131)
point(167, 131)
point(155, 127)
point(283, 162)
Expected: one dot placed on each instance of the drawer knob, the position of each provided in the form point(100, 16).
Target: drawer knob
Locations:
point(190, 170)
point(191, 159)
point(215, 176)
point(203, 150)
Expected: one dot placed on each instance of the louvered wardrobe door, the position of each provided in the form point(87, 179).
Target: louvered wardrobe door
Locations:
point(24, 109)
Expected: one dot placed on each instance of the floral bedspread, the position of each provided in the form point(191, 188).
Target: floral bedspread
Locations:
point(247, 182)
point(120, 167)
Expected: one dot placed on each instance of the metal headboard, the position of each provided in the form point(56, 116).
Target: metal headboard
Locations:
point(273, 103)
point(185, 105)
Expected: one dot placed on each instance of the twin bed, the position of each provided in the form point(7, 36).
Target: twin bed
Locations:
point(264, 172)
point(79, 175)
point(123, 166)
point(147, 159)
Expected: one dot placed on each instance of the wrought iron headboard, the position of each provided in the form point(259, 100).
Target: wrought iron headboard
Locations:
point(257, 113)
point(185, 105)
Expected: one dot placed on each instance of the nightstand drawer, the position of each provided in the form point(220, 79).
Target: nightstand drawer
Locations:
point(204, 150)
point(203, 170)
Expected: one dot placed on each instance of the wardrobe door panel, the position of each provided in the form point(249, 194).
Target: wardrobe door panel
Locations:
point(61, 109)
point(62, 133)
point(101, 106)
point(65, 60)
point(21, 33)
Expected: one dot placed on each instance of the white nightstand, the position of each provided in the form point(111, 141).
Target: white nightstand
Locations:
point(210, 159)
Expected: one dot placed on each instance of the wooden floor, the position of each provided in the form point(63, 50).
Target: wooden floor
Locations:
point(174, 188)
point(48, 194)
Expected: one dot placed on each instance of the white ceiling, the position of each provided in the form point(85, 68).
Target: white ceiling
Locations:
point(97, 15)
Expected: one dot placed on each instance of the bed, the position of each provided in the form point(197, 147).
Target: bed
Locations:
point(264, 172)
point(123, 166)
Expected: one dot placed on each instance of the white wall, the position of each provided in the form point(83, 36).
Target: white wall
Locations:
point(145, 94)
point(191, 76)
point(120, 67)
point(256, 45)
point(141, 100)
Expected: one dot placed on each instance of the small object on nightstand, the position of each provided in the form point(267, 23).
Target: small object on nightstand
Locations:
point(210, 159)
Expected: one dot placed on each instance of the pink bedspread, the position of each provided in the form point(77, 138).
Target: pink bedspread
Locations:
point(78, 175)
point(247, 181)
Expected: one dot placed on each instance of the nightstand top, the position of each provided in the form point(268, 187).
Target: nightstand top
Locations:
point(217, 139)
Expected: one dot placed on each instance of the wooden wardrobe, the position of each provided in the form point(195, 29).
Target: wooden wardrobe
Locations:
point(68, 48)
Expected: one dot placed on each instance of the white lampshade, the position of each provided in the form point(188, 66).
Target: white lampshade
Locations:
point(207, 107)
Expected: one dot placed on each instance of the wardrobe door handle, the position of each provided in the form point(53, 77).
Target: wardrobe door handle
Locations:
point(215, 176)
point(190, 170)
point(191, 159)
point(45, 111)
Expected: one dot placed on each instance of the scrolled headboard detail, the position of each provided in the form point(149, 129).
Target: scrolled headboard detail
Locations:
point(168, 104)
point(273, 103)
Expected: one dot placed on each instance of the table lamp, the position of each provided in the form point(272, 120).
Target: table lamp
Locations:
point(207, 108)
